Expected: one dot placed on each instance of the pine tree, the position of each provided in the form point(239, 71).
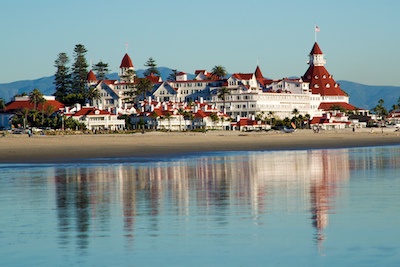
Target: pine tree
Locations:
point(79, 74)
point(151, 68)
point(172, 75)
point(101, 70)
point(62, 80)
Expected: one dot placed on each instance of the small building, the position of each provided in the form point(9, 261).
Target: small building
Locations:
point(249, 124)
point(331, 120)
point(95, 119)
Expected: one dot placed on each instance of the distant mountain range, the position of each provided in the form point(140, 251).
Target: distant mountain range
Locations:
point(361, 95)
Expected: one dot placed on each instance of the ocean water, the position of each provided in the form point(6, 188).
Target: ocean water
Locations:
point(338, 207)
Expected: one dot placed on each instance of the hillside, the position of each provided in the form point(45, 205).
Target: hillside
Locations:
point(367, 96)
point(361, 95)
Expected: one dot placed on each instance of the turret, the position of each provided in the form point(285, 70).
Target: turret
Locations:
point(317, 58)
point(126, 69)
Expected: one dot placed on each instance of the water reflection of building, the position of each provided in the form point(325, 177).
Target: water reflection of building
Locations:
point(218, 186)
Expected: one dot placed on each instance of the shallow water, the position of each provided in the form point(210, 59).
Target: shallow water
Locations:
point(287, 208)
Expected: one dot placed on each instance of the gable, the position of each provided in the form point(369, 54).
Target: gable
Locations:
point(166, 88)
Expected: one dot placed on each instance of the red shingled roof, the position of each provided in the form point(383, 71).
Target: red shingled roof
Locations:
point(243, 76)
point(126, 62)
point(90, 111)
point(258, 73)
point(316, 50)
point(16, 105)
point(321, 82)
point(328, 106)
point(91, 77)
point(153, 78)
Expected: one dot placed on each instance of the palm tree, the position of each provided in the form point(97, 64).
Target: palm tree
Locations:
point(307, 117)
point(189, 116)
point(24, 112)
point(181, 113)
point(223, 92)
point(168, 117)
point(379, 109)
point(92, 94)
point(154, 117)
point(270, 116)
point(36, 97)
point(218, 72)
point(295, 112)
point(47, 111)
point(214, 117)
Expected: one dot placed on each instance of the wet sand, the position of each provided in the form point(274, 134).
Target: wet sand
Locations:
point(118, 147)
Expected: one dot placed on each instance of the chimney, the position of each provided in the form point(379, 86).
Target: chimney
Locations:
point(78, 107)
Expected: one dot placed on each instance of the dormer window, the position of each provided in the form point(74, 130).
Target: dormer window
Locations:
point(336, 85)
point(328, 85)
point(316, 76)
point(316, 86)
point(324, 77)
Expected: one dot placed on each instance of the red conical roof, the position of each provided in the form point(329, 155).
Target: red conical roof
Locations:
point(258, 73)
point(321, 82)
point(91, 77)
point(316, 50)
point(126, 62)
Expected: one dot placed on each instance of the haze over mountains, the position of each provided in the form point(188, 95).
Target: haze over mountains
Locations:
point(361, 95)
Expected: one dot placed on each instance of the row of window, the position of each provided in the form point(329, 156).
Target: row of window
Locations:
point(326, 85)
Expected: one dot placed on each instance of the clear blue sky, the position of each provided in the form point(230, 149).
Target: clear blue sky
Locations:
point(360, 38)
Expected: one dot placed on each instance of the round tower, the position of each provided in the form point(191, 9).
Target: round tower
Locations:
point(126, 69)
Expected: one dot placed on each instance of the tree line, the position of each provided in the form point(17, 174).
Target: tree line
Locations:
point(71, 82)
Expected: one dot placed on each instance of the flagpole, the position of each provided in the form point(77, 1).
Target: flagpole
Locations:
point(315, 33)
point(316, 30)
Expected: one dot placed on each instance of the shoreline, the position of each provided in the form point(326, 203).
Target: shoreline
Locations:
point(85, 148)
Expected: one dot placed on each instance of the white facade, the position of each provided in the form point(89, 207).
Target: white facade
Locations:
point(95, 119)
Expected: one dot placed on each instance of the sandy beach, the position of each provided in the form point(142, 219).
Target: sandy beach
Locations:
point(77, 148)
